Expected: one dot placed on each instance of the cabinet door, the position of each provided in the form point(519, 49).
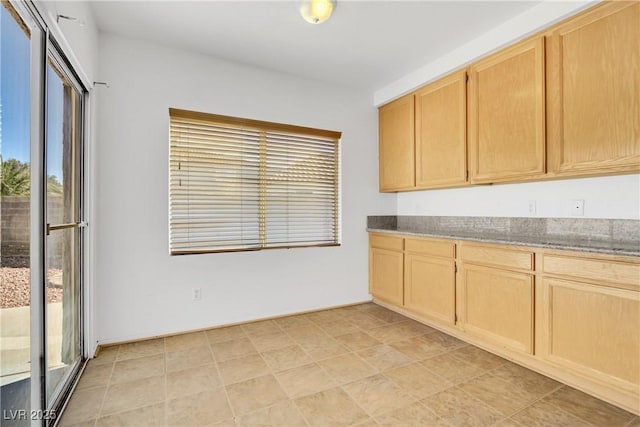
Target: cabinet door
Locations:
point(507, 114)
point(429, 287)
point(441, 132)
point(594, 92)
point(386, 275)
point(592, 330)
point(396, 137)
point(498, 306)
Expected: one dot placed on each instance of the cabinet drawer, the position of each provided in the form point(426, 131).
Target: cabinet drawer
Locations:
point(393, 243)
point(498, 257)
point(430, 247)
point(599, 270)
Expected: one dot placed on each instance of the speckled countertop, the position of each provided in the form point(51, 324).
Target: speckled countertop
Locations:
point(609, 236)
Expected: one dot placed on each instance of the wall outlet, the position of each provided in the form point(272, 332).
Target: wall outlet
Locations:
point(531, 207)
point(196, 294)
point(577, 207)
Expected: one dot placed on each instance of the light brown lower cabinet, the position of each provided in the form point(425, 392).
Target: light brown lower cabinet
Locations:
point(498, 306)
point(592, 330)
point(430, 279)
point(386, 268)
point(497, 301)
point(574, 316)
point(588, 321)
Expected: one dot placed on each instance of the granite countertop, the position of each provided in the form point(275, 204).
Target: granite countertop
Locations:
point(616, 237)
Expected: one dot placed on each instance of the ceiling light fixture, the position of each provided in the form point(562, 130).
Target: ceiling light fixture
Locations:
point(316, 11)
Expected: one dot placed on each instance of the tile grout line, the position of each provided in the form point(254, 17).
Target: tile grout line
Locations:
point(302, 347)
point(222, 384)
point(449, 352)
point(290, 399)
point(338, 385)
point(109, 383)
point(355, 353)
point(632, 420)
point(481, 402)
point(490, 371)
point(569, 413)
point(166, 379)
point(472, 377)
point(377, 372)
point(353, 399)
point(411, 396)
point(381, 372)
point(531, 403)
point(539, 399)
point(106, 389)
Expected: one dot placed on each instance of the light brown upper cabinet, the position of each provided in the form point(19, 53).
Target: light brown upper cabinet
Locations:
point(396, 151)
point(507, 114)
point(565, 102)
point(441, 132)
point(593, 82)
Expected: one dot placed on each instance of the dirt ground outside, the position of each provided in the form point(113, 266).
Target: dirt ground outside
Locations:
point(15, 286)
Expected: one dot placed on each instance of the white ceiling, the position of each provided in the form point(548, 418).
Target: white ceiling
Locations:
point(365, 44)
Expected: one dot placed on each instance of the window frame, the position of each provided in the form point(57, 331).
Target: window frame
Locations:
point(264, 128)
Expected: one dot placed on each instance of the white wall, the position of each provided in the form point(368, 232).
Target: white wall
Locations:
point(532, 20)
point(140, 289)
point(605, 197)
point(79, 38)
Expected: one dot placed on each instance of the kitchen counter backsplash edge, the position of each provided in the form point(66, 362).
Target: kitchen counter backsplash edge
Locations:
point(612, 236)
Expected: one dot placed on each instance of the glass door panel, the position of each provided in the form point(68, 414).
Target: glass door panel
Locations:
point(63, 247)
point(63, 346)
point(15, 180)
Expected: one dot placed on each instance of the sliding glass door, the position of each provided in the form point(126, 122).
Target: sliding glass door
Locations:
point(41, 259)
point(63, 215)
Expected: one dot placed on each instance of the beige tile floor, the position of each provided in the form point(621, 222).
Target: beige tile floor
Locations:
point(362, 365)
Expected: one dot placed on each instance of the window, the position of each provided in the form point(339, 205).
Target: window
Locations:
point(239, 184)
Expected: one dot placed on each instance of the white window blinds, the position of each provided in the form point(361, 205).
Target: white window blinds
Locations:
point(238, 184)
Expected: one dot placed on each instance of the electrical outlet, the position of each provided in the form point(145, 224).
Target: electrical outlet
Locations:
point(531, 207)
point(196, 294)
point(577, 207)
